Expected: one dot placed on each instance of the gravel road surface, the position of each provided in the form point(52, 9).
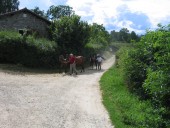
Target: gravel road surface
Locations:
point(53, 100)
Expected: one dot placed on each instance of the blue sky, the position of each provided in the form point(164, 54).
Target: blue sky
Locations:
point(136, 15)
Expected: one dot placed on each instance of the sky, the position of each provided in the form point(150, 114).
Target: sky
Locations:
point(135, 15)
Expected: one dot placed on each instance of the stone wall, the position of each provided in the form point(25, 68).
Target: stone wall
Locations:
point(24, 20)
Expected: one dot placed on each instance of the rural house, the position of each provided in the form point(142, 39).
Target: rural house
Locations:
point(25, 19)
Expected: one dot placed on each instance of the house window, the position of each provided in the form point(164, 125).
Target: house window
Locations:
point(21, 31)
point(24, 15)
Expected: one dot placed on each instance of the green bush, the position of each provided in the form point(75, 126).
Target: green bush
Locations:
point(10, 43)
point(133, 68)
point(28, 51)
point(147, 71)
point(39, 52)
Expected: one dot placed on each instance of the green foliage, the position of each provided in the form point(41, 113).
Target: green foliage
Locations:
point(56, 12)
point(43, 45)
point(134, 36)
point(147, 71)
point(39, 52)
point(28, 51)
point(134, 68)
point(8, 49)
point(70, 33)
point(8, 5)
point(123, 36)
point(125, 108)
point(98, 38)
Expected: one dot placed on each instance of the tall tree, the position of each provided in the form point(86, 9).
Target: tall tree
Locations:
point(56, 12)
point(124, 35)
point(114, 36)
point(134, 36)
point(8, 5)
point(98, 38)
point(70, 33)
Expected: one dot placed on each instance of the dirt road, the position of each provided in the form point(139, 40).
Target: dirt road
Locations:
point(53, 100)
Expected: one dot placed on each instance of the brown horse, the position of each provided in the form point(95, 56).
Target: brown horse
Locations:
point(80, 60)
point(65, 62)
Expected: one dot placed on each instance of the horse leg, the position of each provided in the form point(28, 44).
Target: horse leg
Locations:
point(65, 69)
point(96, 65)
point(92, 65)
point(60, 68)
point(83, 68)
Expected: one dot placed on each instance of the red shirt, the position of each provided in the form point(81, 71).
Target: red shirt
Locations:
point(72, 59)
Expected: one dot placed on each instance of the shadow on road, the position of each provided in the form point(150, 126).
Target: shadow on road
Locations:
point(20, 70)
point(87, 72)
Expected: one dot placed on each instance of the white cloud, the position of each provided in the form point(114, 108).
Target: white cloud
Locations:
point(99, 9)
point(106, 11)
point(156, 10)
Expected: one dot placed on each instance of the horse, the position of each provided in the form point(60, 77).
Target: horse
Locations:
point(63, 63)
point(93, 61)
point(79, 60)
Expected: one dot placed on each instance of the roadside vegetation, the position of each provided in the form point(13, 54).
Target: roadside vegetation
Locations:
point(125, 109)
point(26, 50)
point(136, 90)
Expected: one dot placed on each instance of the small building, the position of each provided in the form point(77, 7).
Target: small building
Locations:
point(25, 19)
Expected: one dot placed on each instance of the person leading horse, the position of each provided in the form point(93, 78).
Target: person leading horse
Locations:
point(64, 62)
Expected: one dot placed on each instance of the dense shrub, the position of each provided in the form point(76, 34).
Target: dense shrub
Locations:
point(10, 43)
point(146, 69)
point(41, 52)
point(28, 51)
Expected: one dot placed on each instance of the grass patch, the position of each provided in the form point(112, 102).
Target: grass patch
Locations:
point(125, 109)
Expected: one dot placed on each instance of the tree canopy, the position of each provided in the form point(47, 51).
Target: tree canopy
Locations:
point(123, 35)
point(70, 33)
point(56, 12)
point(8, 5)
point(98, 37)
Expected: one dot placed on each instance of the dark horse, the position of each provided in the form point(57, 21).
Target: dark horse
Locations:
point(93, 61)
point(64, 62)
